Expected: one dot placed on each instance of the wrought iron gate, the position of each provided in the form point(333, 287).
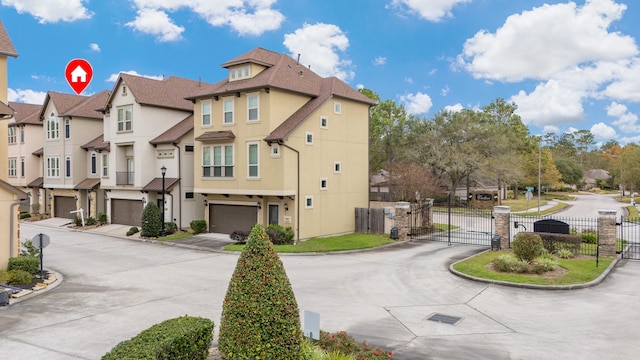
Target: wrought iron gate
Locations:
point(629, 235)
point(453, 223)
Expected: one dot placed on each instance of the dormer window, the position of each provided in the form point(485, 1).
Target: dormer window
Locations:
point(239, 72)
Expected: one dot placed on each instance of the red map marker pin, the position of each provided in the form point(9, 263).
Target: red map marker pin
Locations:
point(78, 73)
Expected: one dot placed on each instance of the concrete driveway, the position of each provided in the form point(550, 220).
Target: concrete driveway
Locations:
point(113, 288)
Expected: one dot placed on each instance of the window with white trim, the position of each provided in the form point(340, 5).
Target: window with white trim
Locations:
point(253, 160)
point(12, 167)
point(125, 118)
point(22, 134)
point(275, 150)
point(67, 129)
point(67, 166)
point(105, 165)
point(206, 113)
point(337, 167)
point(227, 111)
point(53, 167)
point(53, 127)
point(308, 202)
point(337, 107)
point(324, 122)
point(324, 184)
point(308, 138)
point(21, 167)
point(12, 135)
point(217, 161)
point(253, 103)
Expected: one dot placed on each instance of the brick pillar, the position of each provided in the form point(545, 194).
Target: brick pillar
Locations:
point(501, 215)
point(403, 219)
point(607, 232)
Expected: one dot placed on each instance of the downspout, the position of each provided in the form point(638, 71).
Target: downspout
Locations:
point(179, 188)
point(298, 191)
point(11, 226)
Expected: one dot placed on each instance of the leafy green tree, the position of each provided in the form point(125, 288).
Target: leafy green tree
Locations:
point(584, 141)
point(260, 316)
point(151, 221)
point(571, 172)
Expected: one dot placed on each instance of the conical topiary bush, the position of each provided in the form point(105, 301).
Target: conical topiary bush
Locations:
point(260, 316)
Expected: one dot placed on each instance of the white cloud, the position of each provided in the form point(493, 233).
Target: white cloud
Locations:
point(549, 104)
point(379, 60)
point(603, 131)
point(445, 90)
point(320, 46)
point(550, 129)
point(417, 103)
point(246, 17)
point(408, 80)
point(431, 10)
point(26, 96)
point(51, 11)
point(114, 77)
point(157, 23)
point(454, 108)
point(616, 110)
point(548, 40)
point(94, 47)
point(625, 120)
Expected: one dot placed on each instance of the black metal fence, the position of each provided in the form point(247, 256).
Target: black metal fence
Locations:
point(457, 223)
point(628, 244)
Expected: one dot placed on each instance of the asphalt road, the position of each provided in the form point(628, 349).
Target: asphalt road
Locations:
point(113, 288)
point(587, 205)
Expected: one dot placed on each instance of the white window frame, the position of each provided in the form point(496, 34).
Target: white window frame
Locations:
point(324, 183)
point(105, 165)
point(124, 124)
point(67, 167)
point(22, 167)
point(306, 138)
point(53, 167)
point(324, 122)
point(223, 166)
point(12, 135)
point(257, 163)
point(13, 163)
point(67, 128)
point(206, 122)
point(22, 134)
point(337, 167)
point(53, 127)
point(337, 107)
point(275, 150)
point(308, 202)
point(226, 101)
point(256, 108)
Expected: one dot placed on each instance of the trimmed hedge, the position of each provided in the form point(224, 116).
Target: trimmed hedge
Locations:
point(198, 226)
point(555, 242)
point(151, 221)
point(184, 337)
point(527, 246)
point(30, 264)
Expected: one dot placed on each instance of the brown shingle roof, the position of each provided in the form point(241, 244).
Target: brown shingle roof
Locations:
point(156, 184)
point(21, 195)
point(97, 144)
point(5, 111)
point(76, 105)
point(216, 135)
point(87, 184)
point(175, 133)
point(26, 113)
point(167, 93)
point(6, 46)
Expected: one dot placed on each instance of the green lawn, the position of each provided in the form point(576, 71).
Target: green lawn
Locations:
point(353, 241)
point(579, 271)
point(176, 236)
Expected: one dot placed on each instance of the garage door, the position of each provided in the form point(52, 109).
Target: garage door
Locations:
point(126, 212)
point(225, 219)
point(62, 205)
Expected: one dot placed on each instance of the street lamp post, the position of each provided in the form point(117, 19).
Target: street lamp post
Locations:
point(163, 169)
point(539, 171)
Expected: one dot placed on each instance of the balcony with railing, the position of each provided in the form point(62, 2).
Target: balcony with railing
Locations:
point(124, 178)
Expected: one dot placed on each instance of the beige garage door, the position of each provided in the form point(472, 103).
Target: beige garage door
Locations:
point(126, 212)
point(62, 205)
point(225, 219)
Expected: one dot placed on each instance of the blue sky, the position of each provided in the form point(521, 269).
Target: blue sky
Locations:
point(567, 65)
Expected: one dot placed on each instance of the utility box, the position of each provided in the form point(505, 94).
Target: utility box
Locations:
point(394, 233)
point(495, 242)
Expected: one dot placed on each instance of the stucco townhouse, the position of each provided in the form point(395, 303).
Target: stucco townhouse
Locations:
point(69, 121)
point(10, 196)
point(148, 127)
point(25, 139)
point(278, 144)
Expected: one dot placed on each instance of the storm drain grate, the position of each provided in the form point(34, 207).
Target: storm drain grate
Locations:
point(446, 319)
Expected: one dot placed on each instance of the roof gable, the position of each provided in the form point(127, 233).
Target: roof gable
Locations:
point(76, 105)
point(6, 46)
point(26, 113)
point(175, 133)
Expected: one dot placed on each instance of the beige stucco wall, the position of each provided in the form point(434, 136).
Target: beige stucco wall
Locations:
point(4, 83)
point(33, 140)
point(8, 234)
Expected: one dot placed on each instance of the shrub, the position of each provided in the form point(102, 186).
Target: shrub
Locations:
point(77, 221)
point(132, 230)
point(30, 264)
point(151, 221)
point(554, 242)
point(24, 215)
point(280, 235)
point(184, 337)
point(260, 316)
point(20, 277)
point(564, 254)
point(170, 227)
point(343, 343)
point(240, 237)
point(589, 236)
point(527, 246)
point(102, 218)
point(28, 249)
point(198, 226)
point(90, 221)
point(543, 264)
point(508, 263)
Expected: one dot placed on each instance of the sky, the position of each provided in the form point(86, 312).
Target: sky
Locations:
point(567, 65)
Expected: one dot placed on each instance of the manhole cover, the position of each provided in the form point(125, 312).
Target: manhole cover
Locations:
point(446, 319)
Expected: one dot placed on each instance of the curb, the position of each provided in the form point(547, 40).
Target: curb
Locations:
point(53, 285)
